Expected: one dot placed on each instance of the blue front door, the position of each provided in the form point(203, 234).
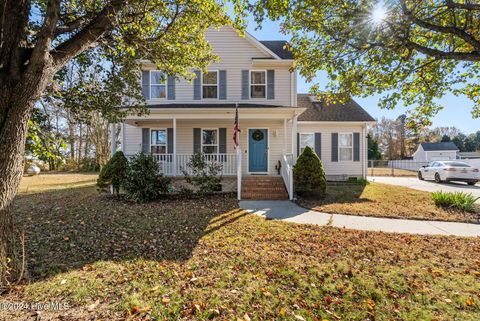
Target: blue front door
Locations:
point(257, 150)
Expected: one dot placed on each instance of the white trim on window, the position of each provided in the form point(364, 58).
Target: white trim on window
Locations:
point(345, 147)
point(165, 85)
point(211, 85)
point(300, 141)
point(250, 84)
point(217, 144)
point(159, 145)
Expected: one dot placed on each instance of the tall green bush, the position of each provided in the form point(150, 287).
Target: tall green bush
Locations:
point(113, 173)
point(143, 182)
point(309, 175)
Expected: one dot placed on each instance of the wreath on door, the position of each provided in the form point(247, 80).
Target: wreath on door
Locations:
point(257, 135)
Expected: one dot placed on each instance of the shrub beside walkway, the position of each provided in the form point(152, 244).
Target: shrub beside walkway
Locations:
point(291, 212)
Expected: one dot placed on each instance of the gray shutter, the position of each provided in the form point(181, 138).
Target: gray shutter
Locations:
point(334, 147)
point(197, 144)
point(146, 140)
point(270, 84)
point(298, 144)
point(170, 140)
point(356, 147)
point(146, 84)
point(222, 143)
point(197, 86)
point(222, 77)
point(318, 144)
point(245, 84)
point(171, 88)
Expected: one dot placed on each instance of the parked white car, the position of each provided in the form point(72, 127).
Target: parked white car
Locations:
point(447, 171)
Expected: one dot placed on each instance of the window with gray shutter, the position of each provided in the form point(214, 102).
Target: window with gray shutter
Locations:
point(334, 147)
point(146, 84)
point(270, 84)
point(222, 84)
point(245, 84)
point(197, 85)
point(222, 146)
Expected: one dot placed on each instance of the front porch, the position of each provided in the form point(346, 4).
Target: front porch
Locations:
point(266, 143)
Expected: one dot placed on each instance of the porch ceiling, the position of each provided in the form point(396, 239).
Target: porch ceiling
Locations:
point(216, 113)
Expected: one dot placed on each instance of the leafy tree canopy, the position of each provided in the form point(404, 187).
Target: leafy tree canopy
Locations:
point(411, 51)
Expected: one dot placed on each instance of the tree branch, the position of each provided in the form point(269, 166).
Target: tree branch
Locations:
point(45, 36)
point(463, 6)
point(85, 37)
point(473, 56)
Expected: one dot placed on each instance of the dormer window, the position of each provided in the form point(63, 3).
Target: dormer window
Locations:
point(158, 85)
point(258, 84)
point(210, 85)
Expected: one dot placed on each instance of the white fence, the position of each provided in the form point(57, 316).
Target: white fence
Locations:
point(404, 167)
point(172, 165)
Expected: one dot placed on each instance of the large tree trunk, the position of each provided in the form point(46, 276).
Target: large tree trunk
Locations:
point(16, 103)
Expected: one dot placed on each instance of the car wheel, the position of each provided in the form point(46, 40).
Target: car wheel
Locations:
point(437, 178)
point(420, 177)
point(471, 183)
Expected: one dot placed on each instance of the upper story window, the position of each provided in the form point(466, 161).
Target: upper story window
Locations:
point(345, 146)
point(158, 142)
point(258, 84)
point(210, 141)
point(158, 85)
point(307, 139)
point(210, 85)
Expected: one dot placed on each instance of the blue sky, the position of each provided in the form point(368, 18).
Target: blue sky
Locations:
point(455, 113)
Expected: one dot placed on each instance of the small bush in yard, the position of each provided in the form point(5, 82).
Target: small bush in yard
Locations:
point(113, 173)
point(143, 181)
point(458, 200)
point(308, 174)
point(205, 175)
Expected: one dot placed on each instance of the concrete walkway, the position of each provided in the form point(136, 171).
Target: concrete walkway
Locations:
point(291, 212)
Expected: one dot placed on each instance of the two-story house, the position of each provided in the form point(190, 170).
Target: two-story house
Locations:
point(276, 123)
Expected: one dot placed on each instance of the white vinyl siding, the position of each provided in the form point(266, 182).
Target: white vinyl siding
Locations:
point(236, 53)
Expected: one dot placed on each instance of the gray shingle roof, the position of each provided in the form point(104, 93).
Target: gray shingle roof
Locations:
point(439, 146)
point(320, 111)
point(277, 47)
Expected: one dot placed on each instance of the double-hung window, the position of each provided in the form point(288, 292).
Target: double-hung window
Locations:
point(307, 139)
point(210, 85)
point(158, 143)
point(210, 141)
point(158, 85)
point(345, 146)
point(258, 84)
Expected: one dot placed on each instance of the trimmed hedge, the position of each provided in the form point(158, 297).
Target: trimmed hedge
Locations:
point(113, 173)
point(309, 175)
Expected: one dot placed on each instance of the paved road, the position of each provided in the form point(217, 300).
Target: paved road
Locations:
point(290, 212)
point(429, 186)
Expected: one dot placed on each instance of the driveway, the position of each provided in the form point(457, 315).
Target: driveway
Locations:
point(429, 186)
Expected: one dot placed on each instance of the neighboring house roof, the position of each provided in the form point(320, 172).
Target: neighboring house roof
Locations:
point(320, 111)
point(224, 105)
point(279, 47)
point(442, 146)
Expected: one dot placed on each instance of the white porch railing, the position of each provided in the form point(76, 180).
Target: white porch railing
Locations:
point(170, 165)
point(287, 173)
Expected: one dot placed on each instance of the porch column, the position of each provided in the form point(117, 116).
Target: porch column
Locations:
point(174, 121)
point(294, 136)
point(113, 140)
point(284, 135)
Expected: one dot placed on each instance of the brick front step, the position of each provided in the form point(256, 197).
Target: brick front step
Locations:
point(263, 188)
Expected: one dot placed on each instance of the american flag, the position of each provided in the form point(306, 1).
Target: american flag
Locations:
point(236, 130)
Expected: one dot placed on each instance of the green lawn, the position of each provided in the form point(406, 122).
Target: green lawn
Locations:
point(384, 200)
point(207, 259)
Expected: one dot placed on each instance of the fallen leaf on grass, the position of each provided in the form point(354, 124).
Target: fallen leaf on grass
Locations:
point(469, 302)
point(166, 300)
